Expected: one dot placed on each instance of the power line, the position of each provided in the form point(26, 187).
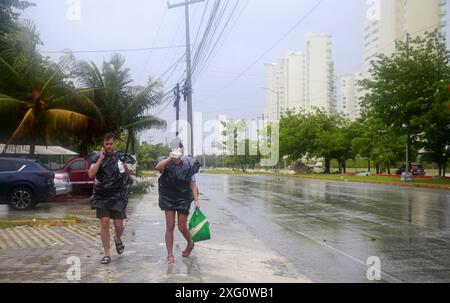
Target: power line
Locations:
point(171, 42)
point(210, 56)
point(154, 42)
point(206, 61)
point(203, 42)
point(115, 50)
point(171, 67)
point(201, 23)
point(274, 45)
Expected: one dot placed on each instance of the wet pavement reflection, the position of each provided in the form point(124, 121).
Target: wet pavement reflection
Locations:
point(330, 229)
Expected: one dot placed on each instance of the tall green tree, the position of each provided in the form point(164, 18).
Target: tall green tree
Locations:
point(123, 107)
point(239, 150)
point(9, 14)
point(407, 92)
point(35, 101)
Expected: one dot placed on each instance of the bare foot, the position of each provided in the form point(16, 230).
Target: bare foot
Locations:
point(170, 259)
point(188, 250)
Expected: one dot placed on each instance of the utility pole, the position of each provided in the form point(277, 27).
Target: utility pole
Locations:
point(407, 175)
point(188, 85)
point(176, 91)
point(407, 142)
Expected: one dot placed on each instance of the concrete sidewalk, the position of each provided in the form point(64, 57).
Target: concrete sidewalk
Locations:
point(234, 254)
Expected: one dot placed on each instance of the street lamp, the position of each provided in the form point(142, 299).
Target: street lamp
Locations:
point(278, 116)
point(278, 100)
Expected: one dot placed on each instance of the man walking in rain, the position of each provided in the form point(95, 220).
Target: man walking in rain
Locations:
point(112, 173)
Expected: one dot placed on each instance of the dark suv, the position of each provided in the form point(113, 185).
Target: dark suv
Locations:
point(416, 169)
point(24, 182)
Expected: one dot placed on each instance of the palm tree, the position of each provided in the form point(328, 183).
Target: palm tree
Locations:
point(123, 107)
point(34, 97)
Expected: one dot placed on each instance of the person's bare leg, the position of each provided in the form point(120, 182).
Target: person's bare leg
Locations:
point(104, 223)
point(182, 226)
point(119, 228)
point(170, 227)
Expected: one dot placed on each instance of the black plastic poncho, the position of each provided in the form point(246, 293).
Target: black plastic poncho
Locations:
point(112, 187)
point(174, 185)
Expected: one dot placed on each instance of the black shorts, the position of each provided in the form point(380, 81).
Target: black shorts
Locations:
point(112, 214)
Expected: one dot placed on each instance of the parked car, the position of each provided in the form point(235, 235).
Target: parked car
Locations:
point(24, 183)
point(62, 183)
point(77, 169)
point(416, 169)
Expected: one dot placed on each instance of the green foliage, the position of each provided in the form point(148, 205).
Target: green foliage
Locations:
point(9, 13)
point(122, 106)
point(238, 150)
point(408, 93)
point(147, 155)
point(35, 102)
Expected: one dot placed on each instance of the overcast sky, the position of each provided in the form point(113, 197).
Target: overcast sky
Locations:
point(133, 24)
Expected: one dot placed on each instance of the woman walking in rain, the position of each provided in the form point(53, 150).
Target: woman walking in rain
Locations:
point(177, 190)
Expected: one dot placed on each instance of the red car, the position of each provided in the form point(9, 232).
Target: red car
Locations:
point(77, 169)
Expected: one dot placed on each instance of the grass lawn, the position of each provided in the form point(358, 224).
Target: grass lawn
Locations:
point(374, 179)
point(5, 225)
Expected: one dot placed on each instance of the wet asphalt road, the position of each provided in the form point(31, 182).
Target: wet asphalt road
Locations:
point(328, 230)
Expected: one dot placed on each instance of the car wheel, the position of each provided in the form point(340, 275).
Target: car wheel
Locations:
point(21, 198)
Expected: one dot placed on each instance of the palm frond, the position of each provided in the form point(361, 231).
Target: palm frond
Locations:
point(146, 122)
point(65, 121)
point(24, 130)
point(7, 101)
point(148, 97)
point(77, 102)
point(10, 77)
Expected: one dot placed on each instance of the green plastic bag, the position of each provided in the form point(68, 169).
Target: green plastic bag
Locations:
point(199, 227)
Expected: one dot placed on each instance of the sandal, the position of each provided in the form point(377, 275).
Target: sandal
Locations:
point(187, 252)
point(119, 247)
point(105, 260)
point(170, 259)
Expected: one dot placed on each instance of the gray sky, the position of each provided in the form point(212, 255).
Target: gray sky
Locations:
point(131, 24)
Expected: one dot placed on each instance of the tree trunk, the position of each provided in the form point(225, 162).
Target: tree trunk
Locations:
point(440, 169)
point(32, 149)
point(327, 166)
point(340, 166)
point(128, 141)
point(344, 166)
point(389, 170)
point(84, 149)
point(378, 168)
point(368, 163)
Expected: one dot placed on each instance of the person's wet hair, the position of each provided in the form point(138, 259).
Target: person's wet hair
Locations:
point(109, 136)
